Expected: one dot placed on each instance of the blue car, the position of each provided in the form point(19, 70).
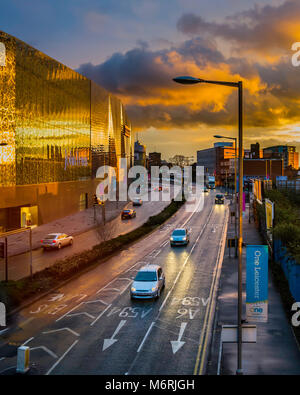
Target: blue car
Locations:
point(179, 237)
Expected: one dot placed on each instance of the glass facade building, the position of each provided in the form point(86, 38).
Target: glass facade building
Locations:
point(56, 126)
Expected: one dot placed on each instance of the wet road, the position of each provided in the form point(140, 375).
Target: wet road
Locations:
point(91, 326)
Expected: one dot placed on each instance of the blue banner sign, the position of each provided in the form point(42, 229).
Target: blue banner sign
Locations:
point(257, 283)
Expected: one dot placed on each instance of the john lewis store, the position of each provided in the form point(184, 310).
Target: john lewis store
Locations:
point(56, 128)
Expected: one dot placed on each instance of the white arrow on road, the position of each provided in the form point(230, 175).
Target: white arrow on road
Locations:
point(177, 344)
point(108, 342)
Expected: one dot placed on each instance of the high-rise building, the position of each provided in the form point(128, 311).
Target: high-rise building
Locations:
point(286, 152)
point(139, 154)
point(57, 127)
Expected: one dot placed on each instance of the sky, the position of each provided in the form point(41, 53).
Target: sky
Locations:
point(134, 48)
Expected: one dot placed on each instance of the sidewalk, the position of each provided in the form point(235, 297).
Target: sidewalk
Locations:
point(276, 351)
point(74, 224)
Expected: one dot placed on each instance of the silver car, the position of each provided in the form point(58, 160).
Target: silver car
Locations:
point(148, 283)
point(56, 240)
point(179, 237)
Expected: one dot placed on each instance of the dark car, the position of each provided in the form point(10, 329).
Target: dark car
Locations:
point(126, 214)
point(137, 202)
point(219, 199)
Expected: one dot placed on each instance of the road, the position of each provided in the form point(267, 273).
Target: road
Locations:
point(19, 265)
point(91, 326)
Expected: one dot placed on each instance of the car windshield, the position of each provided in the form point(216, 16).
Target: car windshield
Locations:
point(179, 232)
point(146, 276)
point(51, 237)
point(219, 196)
point(126, 211)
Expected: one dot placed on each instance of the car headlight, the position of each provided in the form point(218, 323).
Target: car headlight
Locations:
point(133, 289)
point(171, 239)
point(184, 239)
point(154, 289)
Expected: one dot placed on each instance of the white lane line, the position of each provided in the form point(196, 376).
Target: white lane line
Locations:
point(63, 316)
point(186, 260)
point(114, 279)
point(101, 314)
point(62, 357)
point(60, 330)
point(27, 341)
point(46, 350)
point(139, 262)
point(83, 313)
point(1, 359)
point(4, 330)
point(96, 301)
point(121, 293)
point(145, 337)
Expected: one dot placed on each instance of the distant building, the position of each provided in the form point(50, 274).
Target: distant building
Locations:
point(154, 159)
point(181, 160)
point(139, 154)
point(286, 152)
point(207, 159)
point(263, 168)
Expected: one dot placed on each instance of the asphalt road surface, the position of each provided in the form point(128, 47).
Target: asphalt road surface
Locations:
point(91, 326)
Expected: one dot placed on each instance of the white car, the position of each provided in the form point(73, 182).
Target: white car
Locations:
point(148, 283)
point(56, 240)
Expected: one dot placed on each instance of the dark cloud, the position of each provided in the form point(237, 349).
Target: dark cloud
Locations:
point(257, 28)
point(141, 70)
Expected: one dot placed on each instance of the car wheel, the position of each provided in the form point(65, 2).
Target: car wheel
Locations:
point(158, 294)
point(71, 242)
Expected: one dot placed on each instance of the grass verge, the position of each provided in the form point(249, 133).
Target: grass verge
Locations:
point(14, 293)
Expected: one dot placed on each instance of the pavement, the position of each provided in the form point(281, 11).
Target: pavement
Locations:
point(86, 231)
point(276, 351)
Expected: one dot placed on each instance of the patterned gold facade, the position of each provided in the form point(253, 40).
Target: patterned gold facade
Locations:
point(58, 125)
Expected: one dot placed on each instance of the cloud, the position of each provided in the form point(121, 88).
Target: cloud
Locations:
point(267, 29)
point(142, 77)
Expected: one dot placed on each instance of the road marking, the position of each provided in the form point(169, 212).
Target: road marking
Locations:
point(1, 359)
point(210, 309)
point(46, 350)
point(62, 357)
point(83, 313)
point(27, 341)
point(101, 314)
point(60, 330)
point(96, 301)
point(63, 316)
point(177, 344)
point(121, 293)
point(145, 337)
point(109, 342)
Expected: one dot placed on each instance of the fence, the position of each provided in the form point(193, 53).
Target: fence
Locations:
point(279, 253)
point(288, 184)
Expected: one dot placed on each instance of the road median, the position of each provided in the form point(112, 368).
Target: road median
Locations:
point(15, 293)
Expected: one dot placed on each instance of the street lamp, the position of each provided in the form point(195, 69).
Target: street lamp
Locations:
point(235, 186)
point(186, 80)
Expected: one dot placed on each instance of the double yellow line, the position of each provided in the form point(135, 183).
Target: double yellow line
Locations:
point(202, 350)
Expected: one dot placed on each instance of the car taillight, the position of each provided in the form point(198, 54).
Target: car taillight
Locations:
point(54, 241)
point(42, 241)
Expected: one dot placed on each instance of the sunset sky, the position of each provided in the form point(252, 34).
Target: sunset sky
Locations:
point(134, 48)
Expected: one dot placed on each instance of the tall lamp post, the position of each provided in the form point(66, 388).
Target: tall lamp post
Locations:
point(235, 184)
point(187, 80)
